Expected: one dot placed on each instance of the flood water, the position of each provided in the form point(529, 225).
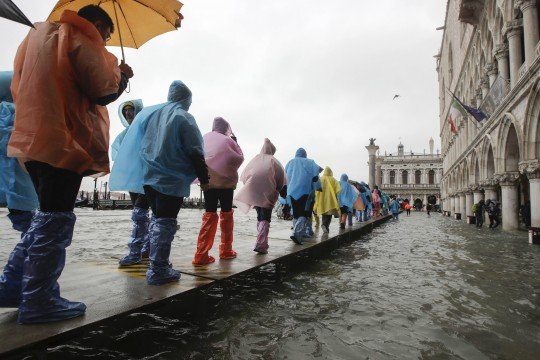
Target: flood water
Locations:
point(420, 288)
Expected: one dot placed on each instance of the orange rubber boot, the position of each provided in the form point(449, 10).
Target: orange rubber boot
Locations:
point(226, 223)
point(205, 241)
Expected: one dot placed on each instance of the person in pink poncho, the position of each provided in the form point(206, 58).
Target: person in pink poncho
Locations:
point(223, 157)
point(264, 178)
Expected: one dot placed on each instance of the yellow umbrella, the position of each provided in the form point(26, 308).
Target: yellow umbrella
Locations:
point(135, 21)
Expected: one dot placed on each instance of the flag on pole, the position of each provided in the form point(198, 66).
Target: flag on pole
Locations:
point(452, 125)
point(476, 113)
point(456, 111)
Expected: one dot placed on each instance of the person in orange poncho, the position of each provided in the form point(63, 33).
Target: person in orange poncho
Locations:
point(63, 78)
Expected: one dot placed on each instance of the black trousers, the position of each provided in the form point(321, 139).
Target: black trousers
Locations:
point(163, 206)
point(56, 188)
point(139, 200)
point(223, 196)
point(263, 213)
point(299, 207)
point(326, 220)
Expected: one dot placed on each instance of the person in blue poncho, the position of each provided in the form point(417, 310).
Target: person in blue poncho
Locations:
point(138, 243)
point(394, 207)
point(346, 198)
point(17, 193)
point(301, 173)
point(365, 193)
point(165, 148)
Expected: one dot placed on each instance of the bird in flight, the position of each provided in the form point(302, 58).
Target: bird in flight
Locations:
point(395, 97)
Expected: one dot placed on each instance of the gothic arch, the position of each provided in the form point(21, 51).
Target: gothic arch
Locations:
point(531, 126)
point(511, 140)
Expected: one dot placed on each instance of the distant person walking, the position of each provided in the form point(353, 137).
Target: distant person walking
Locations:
point(264, 178)
point(479, 213)
point(347, 198)
point(377, 201)
point(493, 210)
point(326, 201)
point(394, 208)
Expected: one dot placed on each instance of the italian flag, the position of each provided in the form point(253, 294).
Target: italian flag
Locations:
point(455, 111)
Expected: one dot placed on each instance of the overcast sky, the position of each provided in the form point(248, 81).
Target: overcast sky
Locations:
point(304, 73)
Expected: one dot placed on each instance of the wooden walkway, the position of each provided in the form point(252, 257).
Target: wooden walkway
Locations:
point(110, 292)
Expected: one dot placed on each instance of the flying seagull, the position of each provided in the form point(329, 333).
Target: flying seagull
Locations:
point(395, 97)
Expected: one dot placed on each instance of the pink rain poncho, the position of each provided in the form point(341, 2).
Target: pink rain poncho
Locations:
point(223, 156)
point(263, 178)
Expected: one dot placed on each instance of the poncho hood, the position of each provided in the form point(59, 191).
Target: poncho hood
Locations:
point(221, 126)
point(180, 93)
point(137, 107)
point(301, 153)
point(268, 148)
point(327, 172)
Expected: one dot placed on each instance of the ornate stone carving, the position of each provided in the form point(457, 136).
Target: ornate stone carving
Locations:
point(508, 178)
point(523, 5)
point(487, 183)
point(531, 168)
point(513, 27)
point(470, 11)
point(501, 51)
point(491, 69)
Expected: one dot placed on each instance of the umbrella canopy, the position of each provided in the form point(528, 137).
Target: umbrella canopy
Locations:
point(135, 21)
point(10, 11)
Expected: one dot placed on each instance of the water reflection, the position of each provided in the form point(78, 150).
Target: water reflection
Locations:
point(418, 288)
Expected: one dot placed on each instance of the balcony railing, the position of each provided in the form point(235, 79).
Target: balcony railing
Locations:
point(413, 186)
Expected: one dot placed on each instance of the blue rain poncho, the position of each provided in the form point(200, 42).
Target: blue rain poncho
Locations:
point(365, 193)
point(16, 189)
point(137, 107)
point(300, 173)
point(158, 148)
point(347, 196)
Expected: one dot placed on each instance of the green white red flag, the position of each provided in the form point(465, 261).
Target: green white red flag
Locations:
point(456, 111)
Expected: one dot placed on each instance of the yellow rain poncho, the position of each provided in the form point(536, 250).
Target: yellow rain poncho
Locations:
point(326, 201)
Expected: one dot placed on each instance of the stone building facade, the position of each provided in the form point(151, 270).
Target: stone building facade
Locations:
point(413, 176)
point(490, 59)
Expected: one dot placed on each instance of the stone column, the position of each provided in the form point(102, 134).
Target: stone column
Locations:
point(490, 193)
point(378, 179)
point(477, 196)
point(425, 200)
point(530, 27)
point(534, 189)
point(469, 204)
point(484, 85)
point(452, 205)
point(491, 71)
point(462, 205)
point(372, 151)
point(509, 201)
point(501, 54)
point(513, 33)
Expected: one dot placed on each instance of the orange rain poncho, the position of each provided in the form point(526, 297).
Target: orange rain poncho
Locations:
point(60, 70)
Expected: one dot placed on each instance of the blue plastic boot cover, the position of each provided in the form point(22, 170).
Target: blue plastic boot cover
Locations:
point(21, 221)
point(139, 235)
point(41, 302)
point(349, 219)
point(299, 229)
point(308, 230)
point(11, 278)
point(161, 235)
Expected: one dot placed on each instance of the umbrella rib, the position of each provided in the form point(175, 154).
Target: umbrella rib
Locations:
point(129, 27)
point(157, 12)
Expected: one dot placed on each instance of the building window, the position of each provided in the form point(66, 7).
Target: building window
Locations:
point(404, 177)
point(431, 175)
point(392, 177)
point(417, 177)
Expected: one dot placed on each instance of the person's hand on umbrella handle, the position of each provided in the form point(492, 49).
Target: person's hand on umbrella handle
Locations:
point(126, 69)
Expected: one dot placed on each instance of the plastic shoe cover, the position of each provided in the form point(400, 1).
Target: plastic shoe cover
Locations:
point(10, 280)
point(21, 221)
point(308, 230)
point(161, 235)
point(226, 223)
point(299, 230)
point(51, 234)
point(139, 235)
point(263, 227)
point(349, 219)
point(145, 251)
point(205, 241)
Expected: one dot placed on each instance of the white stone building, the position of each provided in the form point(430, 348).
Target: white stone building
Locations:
point(490, 59)
point(413, 176)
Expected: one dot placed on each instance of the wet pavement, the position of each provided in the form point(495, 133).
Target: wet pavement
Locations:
point(428, 288)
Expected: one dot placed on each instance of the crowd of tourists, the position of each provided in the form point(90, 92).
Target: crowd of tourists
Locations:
point(54, 130)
